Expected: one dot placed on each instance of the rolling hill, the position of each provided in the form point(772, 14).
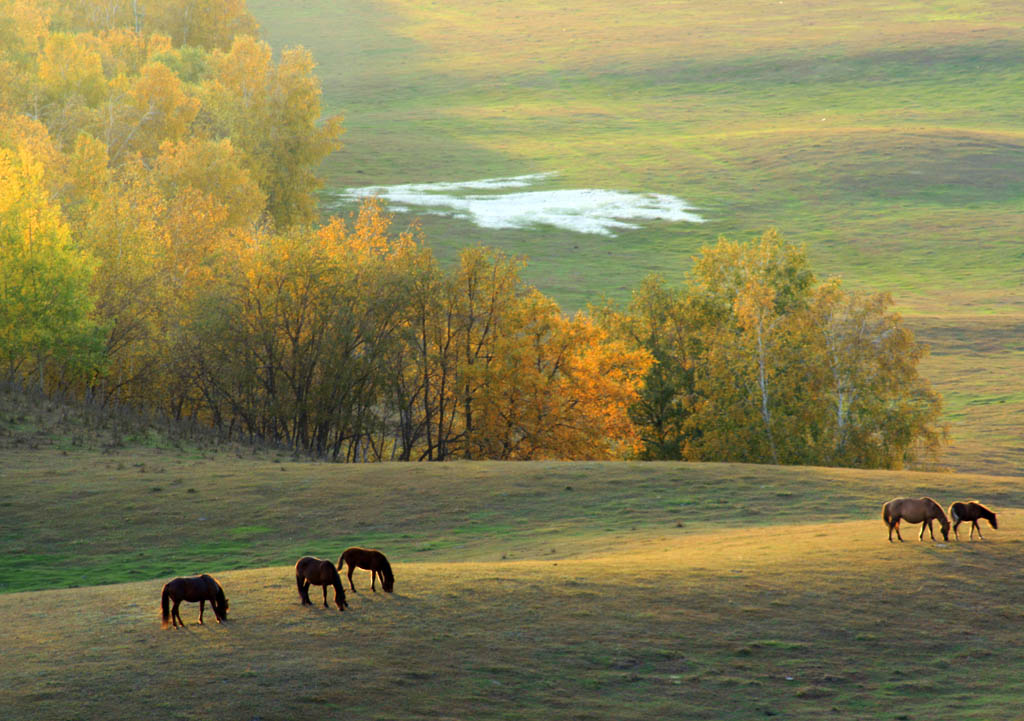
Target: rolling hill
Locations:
point(887, 137)
point(531, 590)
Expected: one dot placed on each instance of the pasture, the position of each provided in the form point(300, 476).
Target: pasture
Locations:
point(528, 590)
point(888, 137)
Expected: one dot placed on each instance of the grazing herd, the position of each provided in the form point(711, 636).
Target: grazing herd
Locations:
point(308, 571)
point(925, 510)
point(318, 572)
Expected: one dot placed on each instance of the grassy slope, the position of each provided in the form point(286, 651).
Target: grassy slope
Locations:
point(645, 591)
point(886, 136)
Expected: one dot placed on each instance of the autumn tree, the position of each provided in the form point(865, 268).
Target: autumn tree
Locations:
point(45, 323)
point(758, 362)
point(293, 343)
point(876, 410)
point(660, 320)
point(271, 111)
point(560, 388)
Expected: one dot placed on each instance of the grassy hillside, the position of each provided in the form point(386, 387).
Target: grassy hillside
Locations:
point(887, 136)
point(547, 590)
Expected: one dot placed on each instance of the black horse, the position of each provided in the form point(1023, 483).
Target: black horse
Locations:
point(971, 511)
point(193, 588)
point(373, 561)
point(310, 570)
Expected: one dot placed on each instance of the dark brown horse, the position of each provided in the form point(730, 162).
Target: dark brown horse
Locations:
point(373, 561)
point(971, 511)
point(318, 572)
point(914, 510)
point(193, 588)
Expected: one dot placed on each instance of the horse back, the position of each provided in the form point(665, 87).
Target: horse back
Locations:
point(192, 588)
point(972, 511)
point(317, 570)
point(367, 558)
point(912, 510)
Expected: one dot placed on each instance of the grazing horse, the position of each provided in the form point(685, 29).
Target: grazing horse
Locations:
point(193, 588)
point(971, 511)
point(318, 572)
point(372, 560)
point(914, 510)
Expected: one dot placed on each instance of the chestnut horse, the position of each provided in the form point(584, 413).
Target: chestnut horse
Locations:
point(971, 511)
point(310, 570)
point(914, 510)
point(193, 588)
point(372, 560)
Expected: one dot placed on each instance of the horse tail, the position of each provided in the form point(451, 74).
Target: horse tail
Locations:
point(165, 606)
point(342, 557)
point(886, 516)
point(339, 588)
point(298, 579)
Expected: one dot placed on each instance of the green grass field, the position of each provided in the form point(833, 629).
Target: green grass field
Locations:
point(529, 590)
point(888, 137)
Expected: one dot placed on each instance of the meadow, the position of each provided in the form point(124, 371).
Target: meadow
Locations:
point(528, 590)
point(886, 136)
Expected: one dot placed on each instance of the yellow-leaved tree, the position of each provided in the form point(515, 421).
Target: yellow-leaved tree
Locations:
point(45, 326)
point(759, 362)
point(271, 111)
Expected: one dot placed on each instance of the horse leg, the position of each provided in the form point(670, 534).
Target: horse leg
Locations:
point(202, 605)
point(175, 616)
point(325, 596)
point(896, 525)
point(350, 568)
point(304, 594)
point(373, 577)
point(974, 524)
point(956, 532)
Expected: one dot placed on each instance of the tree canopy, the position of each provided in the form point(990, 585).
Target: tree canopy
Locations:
point(161, 247)
point(758, 361)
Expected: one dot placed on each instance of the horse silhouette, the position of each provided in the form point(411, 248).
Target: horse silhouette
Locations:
point(193, 588)
point(316, 571)
point(971, 511)
point(914, 510)
point(373, 561)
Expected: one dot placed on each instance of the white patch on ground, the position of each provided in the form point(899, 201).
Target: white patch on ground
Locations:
point(583, 211)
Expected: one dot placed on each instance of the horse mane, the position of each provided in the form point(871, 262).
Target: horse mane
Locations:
point(941, 511)
point(385, 567)
point(986, 513)
point(981, 506)
point(220, 600)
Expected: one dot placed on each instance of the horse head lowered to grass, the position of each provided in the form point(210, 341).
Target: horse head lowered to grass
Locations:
point(914, 510)
point(193, 588)
point(373, 561)
point(316, 571)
